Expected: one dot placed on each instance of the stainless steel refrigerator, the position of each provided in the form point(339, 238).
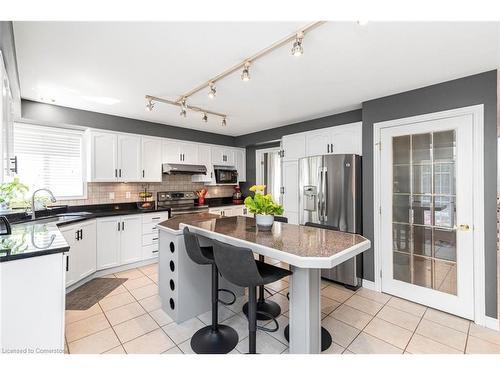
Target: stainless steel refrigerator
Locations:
point(330, 197)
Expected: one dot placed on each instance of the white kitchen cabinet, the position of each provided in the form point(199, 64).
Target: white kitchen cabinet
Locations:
point(342, 139)
point(293, 147)
point(228, 211)
point(150, 234)
point(131, 241)
point(103, 156)
point(223, 156)
point(81, 258)
point(290, 188)
point(205, 158)
point(241, 167)
point(180, 152)
point(151, 159)
point(8, 162)
point(318, 142)
point(129, 158)
point(108, 242)
point(347, 139)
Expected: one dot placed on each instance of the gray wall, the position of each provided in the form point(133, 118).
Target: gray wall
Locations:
point(8, 49)
point(254, 141)
point(48, 113)
point(472, 90)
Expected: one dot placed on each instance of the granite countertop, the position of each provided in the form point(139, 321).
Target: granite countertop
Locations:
point(30, 240)
point(173, 225)
point(295, 244)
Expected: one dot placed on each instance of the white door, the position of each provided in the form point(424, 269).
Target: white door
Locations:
point(426, 213)
point(104, 157)
point(290, 197)
point(129, 158)
point(108, 242)
point(86, 250)
point(131, 238)
point(171, 152)
point(189, 152)
point(293, 146)
point(346, 139)
point(151, 160)
point(318, 143)
point(69, 234)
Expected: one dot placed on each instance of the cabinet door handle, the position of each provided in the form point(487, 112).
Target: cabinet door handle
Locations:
point(120, 172)
point(118, 226)
point(14, 161)
point(116, 172)
point(81, 234)
point(328, 148)
point(77, 235)
point(67, 263)
point(143, 173)
point(331, 147)
point(123, 225)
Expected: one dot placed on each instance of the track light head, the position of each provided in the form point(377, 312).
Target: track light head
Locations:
point(224, 123)
point(183, 113)
point(211, 90)
point(297, 48)
point(183, 107)
point(204, 117)
point(150, 105)
point(245, 74)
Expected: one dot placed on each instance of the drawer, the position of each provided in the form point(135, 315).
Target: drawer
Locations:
point(149, 228)
point(150, 239)
point(149, 251)
point(157, 217)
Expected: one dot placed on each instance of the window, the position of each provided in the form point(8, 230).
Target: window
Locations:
point(51, 158)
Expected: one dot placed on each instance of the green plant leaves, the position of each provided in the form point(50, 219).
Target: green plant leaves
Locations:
point(263, 205)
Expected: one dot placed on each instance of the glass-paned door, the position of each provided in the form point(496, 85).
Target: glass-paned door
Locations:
point(426, 255)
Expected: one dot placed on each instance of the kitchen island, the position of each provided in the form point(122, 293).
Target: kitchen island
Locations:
point(306, 249)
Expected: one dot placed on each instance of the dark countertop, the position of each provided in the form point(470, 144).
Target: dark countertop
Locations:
point(30, 238)
point(221, 202)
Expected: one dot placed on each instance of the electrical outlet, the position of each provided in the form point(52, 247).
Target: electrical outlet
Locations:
point(127, 194)
point(112, 195)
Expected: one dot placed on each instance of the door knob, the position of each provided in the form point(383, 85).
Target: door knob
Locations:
point(463, 227)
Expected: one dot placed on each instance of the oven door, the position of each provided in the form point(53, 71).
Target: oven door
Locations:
point(226, 176)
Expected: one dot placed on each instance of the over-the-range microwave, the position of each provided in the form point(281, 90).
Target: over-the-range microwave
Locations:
point(225, 175)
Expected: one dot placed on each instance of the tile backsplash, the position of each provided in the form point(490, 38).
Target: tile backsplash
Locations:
point(99, 192)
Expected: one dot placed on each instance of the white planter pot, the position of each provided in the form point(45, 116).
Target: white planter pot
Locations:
point(264, 222)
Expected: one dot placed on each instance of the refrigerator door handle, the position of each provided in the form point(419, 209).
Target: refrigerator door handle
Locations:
point(320, 195)
point(325, 195)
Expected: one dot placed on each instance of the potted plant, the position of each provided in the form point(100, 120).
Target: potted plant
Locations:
point(263, 206)
point(10, 191)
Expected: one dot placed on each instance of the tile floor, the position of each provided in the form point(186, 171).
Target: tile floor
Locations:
point(130, 320)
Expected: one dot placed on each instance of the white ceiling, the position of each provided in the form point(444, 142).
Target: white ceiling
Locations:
point(79, 63)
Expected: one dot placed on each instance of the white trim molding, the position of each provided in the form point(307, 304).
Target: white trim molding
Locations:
point(477, 112)
point(368, 284)
point(491, 323)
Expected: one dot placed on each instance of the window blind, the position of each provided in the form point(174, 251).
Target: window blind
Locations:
point(50, 158)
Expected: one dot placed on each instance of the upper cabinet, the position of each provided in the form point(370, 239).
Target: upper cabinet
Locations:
point(205, 158)
point(223, 156)
point(293, 147)
point(129, 158)
point(103, 156)
point(343, 139)
point(180, 152)
point(151, 159)
point(241, 167)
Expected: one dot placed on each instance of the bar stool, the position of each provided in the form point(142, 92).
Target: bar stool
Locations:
point(271, 308)
point(238, 266)
point(216, 338)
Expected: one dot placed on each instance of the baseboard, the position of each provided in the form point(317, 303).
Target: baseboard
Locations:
point(108, 271)
point(491, 323)
point(369, 285)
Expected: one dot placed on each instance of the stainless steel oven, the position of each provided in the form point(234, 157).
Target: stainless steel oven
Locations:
point(226, 175)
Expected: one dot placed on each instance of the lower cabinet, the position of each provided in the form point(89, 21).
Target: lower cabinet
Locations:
point(81, 258)
point(118, 240)
point(228, 211)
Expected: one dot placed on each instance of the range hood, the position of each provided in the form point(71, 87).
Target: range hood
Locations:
point(170, 168)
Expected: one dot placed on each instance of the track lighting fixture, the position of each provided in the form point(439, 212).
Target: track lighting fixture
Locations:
point(204, 117)
point(224, 123)
point(183, 108)
point(212, 91)
point(245, 74)
point(150, 105)
point(298, 49)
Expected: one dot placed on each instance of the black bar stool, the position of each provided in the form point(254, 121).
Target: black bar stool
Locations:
point(216, 338)
point(270, 308)
point(238, 266)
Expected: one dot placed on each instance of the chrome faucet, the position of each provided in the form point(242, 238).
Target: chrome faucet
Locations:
point(52, 199)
